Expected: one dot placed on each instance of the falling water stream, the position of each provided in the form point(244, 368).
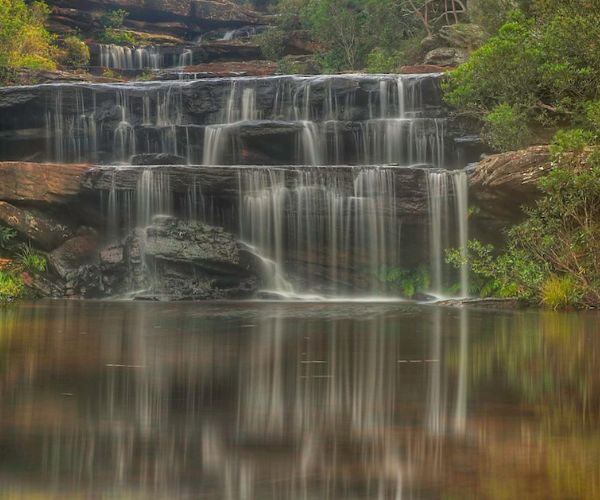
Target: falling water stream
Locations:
point(334, 173)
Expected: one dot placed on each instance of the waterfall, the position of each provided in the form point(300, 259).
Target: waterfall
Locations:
point(150, 57)
point(446, 189)
point(342, 237)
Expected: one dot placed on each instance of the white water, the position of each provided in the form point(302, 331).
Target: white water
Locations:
point(318, 232)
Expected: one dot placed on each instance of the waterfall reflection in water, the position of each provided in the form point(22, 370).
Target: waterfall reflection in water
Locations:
point(292, 401)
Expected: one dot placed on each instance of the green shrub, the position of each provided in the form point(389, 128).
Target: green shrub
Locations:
point(117, 37)
point(272, 43)
point(567, 141)
point(559, 237)
point(11, 287)
point(76, 52)
point(505, 128)
point(113, 18)
point(24, 40)
point(405, 282)
point(559, 292)
point(31, 260)
point(378, 61)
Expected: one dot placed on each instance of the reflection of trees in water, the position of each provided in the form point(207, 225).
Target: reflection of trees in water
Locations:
point(280, 403)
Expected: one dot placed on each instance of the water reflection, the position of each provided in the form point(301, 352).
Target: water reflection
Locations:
point(259, 401)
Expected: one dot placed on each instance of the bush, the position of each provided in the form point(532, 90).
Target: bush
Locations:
point(76, 52)
point(378, 61)
point(11, 287)
point(117, 37)
point(574, 140)
point(24, 41)
point(505, 128)
point(559, 237)
point(559, 292)
point(31, 260)
point(272, 43)
point(113, 18)
point(405, 282)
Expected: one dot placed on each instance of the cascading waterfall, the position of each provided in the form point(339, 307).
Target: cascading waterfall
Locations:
point(325, 220)
point(150, 57)
point(447, 189)
point(344, 238)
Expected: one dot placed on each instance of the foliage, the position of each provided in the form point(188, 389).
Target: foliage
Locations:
point(76, 52)
point(559, 292)
point(574, 140)
point(7, 234)
point(491, 14)
point(552, 256)
point(271, 43)
point(117, 37)
point(544, 67)
point(31, 260)
point(505, 128)
point(113, 18)
point(380, 62)
point(406, 282)
point(11, 286)
point(24, 41)
point(352, 34)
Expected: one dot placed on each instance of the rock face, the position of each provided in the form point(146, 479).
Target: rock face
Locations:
point(447, 57)
point(452, 44)
point(40, 182)
point(170, 259)
point(35, 226)
point(174, 17)
point(511, 177)
point(196, 261)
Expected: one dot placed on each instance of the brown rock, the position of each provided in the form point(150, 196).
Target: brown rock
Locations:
point(446, 56)
point(40, 182)
point(73, 253)
point(32, 225)
point(514, 174)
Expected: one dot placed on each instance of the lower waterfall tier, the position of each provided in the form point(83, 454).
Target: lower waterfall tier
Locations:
point(327, 231)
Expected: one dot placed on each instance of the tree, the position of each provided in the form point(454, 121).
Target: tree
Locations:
point(24, 40)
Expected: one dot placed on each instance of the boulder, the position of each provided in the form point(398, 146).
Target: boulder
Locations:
point(41, 229)
point(40, 182)
point(79, 251)
point(446, 57)
point(192, 260)
point(513, 175)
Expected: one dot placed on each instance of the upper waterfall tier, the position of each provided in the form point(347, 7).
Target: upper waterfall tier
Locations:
point(289, 120)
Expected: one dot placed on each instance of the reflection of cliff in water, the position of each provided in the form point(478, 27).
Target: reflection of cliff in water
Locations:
point(272, 401)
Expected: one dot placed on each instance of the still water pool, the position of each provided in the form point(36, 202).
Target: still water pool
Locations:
point(297, 401)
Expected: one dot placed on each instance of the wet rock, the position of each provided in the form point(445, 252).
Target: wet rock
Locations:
point(40, 182)
point(73, 254)
point(227, 69)
point(32, 225)
point(192, 260)
point(158, 159)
